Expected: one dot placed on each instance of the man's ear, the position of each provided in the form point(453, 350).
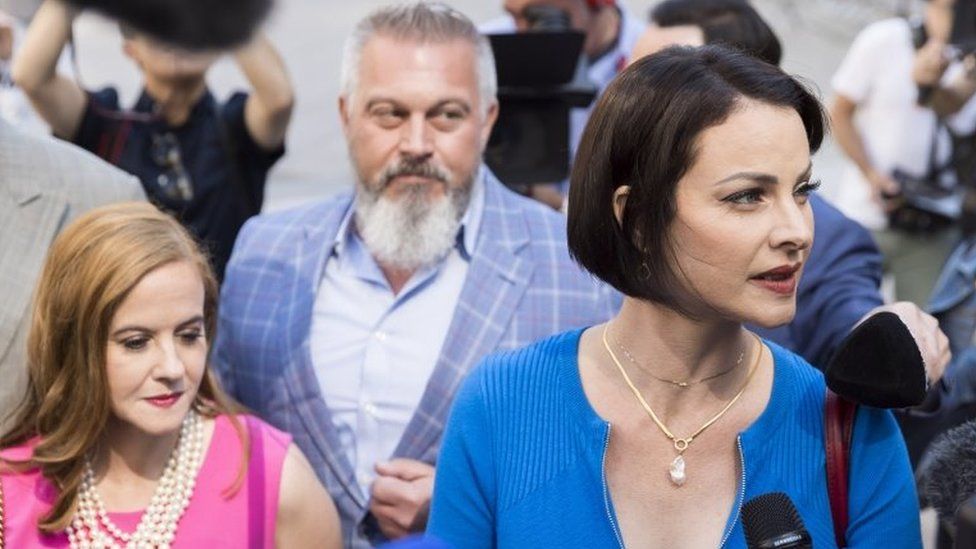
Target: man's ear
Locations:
point(491, 116)
point(620, 197)
point(344, 106)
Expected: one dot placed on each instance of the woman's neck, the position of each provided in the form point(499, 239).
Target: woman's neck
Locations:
point(129, 464)
point(667, 345)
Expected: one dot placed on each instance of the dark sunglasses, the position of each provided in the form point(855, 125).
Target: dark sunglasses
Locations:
point(174, 182)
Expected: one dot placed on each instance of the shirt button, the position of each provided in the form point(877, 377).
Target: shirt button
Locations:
point(370, 409)
point(381, 336)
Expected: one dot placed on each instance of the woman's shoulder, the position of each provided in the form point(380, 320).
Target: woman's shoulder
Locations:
point(256, 430)
point(546, 351)
point(794, 370)
point(528, 366)
point(26, 485)
point(20, 452)
point(798, 391)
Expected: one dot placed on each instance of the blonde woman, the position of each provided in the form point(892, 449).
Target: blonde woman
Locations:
point(124, 438)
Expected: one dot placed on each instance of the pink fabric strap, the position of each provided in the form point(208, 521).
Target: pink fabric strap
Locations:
point(255, 486)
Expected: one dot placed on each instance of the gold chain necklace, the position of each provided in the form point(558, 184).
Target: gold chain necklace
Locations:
point(677, 468)
point(678, 383)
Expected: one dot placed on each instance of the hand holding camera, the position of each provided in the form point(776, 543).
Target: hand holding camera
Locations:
point(931, 62)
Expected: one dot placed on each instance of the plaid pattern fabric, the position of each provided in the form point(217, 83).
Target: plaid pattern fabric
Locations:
point(44, 185)
point(521, 286)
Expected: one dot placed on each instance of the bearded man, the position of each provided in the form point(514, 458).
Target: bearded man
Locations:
point(351, 323)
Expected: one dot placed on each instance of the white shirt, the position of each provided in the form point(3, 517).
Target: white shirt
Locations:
point(896, 132)
point(374, 351)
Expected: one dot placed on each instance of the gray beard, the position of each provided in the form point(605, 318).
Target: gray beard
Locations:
point(412, 231)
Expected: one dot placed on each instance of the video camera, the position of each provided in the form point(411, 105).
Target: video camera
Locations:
point(541, 76)
point(963, 35)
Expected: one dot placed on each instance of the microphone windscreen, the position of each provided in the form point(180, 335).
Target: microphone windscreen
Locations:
point(949, 476)
point(192, 24)
point(771, 521)
point(878, 364)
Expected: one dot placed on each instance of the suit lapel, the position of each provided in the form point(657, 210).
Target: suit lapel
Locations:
point(296, 316)
point(497, 278)
point(30, 221)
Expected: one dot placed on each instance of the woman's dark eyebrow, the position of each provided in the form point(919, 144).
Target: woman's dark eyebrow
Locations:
point(765, 178)
point(196, 319)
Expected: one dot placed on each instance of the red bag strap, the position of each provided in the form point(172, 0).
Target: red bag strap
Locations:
point(838, 427)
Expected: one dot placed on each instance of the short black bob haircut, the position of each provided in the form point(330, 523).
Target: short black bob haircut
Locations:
point(734, 23)
point(643, 132)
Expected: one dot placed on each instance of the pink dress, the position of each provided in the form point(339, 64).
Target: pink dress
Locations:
point(211, 520)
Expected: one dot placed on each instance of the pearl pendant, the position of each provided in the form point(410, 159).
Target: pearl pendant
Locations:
point(677, 471)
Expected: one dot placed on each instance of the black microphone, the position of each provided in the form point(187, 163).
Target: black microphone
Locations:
point(948, 471)
point(192, 24)
point(771, 521)
point(878, 364)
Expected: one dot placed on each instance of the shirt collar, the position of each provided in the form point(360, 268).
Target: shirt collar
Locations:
point(147, 104)
point(468, 231)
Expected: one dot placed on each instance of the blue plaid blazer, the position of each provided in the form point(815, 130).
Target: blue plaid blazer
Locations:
point(521, 286)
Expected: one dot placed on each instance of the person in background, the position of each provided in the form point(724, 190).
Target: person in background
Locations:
point(733, 23)
point(351, 323)
point(205, 162)
point(884, 124)
point(611, 32)
point(125, 438)
point(15, 108)
point(44, 185)
point(690, 195)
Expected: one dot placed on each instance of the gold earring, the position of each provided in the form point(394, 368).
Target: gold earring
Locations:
point(645, 271)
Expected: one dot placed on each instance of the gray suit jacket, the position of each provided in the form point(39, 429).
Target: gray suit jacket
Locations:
point(44, 184)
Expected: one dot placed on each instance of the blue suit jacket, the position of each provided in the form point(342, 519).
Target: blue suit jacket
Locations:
point(521, 286)
point(839, 286)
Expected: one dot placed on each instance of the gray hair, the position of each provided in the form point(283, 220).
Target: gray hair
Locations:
point(423, 23)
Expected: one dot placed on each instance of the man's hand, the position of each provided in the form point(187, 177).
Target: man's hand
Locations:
point(401, 494)
point(884, 190)
point(932, 343)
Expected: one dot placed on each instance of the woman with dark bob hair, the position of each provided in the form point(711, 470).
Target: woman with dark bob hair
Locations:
point(690, 196)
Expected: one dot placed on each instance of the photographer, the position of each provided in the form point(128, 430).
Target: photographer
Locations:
point(610, 34)
point(882, 123)
point(203, 161)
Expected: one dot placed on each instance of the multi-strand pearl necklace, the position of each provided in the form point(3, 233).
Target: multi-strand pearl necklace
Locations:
point(91, 527)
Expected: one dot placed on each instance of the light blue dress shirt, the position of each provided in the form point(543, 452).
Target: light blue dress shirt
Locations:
point(373, 351)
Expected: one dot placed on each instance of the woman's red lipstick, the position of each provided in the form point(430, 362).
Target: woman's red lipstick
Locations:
point(781, 280)
point(164, 401)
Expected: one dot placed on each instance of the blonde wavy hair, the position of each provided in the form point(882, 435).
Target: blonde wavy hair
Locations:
point(90, 270)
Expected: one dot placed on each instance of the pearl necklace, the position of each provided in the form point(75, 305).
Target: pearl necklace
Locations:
point(91, 527)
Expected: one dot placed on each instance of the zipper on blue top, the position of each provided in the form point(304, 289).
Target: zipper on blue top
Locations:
point(738, 505)
point(742, 493)
point(606, 492)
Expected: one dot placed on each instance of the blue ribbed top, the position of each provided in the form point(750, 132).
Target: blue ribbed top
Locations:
point(521, 463)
